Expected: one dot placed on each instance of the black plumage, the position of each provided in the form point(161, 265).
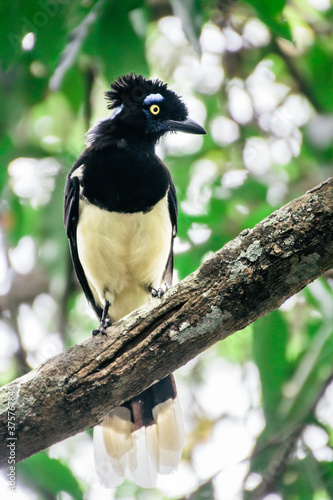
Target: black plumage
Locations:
point(120, 214)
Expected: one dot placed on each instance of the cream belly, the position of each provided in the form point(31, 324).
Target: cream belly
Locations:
point(123, 254)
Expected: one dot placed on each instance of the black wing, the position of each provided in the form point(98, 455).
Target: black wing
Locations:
point(71, 217)
point(173, 211)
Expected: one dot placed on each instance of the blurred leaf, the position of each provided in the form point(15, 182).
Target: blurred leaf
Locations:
point(314, 368)
point(319, 73)
point(73, 86)
point(326, 474)
point(127, 489)
point(24, 217)
point(237, 347)
point(48, 22)
point(115, 43)
point(5, 147)
point(48, 475)
point(269, 350)
point(296, 482)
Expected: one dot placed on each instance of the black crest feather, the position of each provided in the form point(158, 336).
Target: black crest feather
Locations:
point(131, 89)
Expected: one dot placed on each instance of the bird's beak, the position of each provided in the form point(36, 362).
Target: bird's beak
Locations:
point(188, 125)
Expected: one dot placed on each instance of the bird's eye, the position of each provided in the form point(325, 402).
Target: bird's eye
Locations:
point(154, 109)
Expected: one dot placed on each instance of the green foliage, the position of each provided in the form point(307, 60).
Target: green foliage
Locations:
point(271, 13)
point(270, 357)
point(57, 59)
point(49, 476)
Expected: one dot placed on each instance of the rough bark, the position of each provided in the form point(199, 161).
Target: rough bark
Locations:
point(248, 278)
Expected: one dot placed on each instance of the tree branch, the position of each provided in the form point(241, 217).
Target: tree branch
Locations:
point(248, 278)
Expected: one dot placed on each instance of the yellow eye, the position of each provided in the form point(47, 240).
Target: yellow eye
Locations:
point(154, 109)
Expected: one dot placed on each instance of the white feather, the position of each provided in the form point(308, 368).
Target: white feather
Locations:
point(170, 429)
point(112, 443)
point(140, 454)
point(144, 457)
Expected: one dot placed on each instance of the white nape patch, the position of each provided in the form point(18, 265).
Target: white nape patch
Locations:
point(152, 98)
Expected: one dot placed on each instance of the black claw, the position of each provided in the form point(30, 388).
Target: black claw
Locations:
point(104, 323)
point(160, 291)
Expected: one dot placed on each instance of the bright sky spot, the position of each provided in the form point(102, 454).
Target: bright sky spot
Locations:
point(280, 151)
point(297, 109)
point(234, 41)
point(256, 33)
point(320, 4)
point(252, 481)
point(182, 144)
point(179, 483)
point(224, 130)
point(229, 444)
point(210, 75)
point(320, 129)
point(28, 42)
point(314, 437)
point(199, 233)
point(234, 178)
point(233, 396)
point(212, 39)
point(34, 178)
point(171, 27)
point(239, 103)
point(23, 256)
point(229, 483)
point(256, 155)
point(265, 92)
point(199, 191)
point(180, 246)
point(276, 193)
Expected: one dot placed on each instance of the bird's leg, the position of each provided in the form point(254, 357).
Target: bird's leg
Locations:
point(105, 321)
point(160, 291)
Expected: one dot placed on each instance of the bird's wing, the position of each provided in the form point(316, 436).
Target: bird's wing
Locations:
point(173, 211)
point(71, 217)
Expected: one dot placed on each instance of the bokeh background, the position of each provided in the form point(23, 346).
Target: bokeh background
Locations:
point(258, 407)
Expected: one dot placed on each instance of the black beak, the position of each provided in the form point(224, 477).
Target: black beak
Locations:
point(188, 125)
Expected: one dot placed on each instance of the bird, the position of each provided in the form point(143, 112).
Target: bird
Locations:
point(120, 215)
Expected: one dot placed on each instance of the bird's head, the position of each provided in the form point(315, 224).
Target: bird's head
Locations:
point(143, 107)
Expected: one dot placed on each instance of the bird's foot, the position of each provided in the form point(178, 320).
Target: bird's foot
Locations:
point(103, 325)
point(105, 321)
point(160, 291)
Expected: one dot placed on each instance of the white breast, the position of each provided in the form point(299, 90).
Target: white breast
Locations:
point(123, 254)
